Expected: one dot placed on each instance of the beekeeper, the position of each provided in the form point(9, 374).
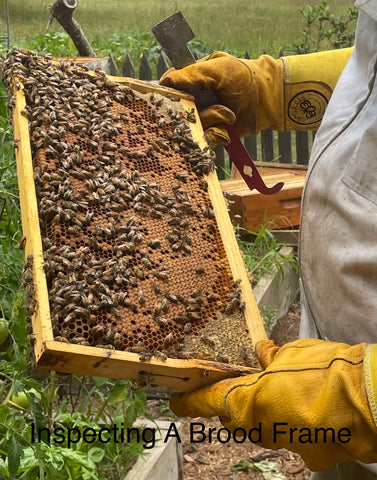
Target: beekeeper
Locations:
point(316, 396)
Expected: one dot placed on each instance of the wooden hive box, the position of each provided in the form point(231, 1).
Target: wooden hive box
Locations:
point(133, 270)
point(250, 209)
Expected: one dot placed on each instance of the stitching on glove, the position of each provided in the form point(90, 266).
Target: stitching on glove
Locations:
point(286, 69)
point(369, 376)
point(284, 370)
point(286, 367)
point(250, 84)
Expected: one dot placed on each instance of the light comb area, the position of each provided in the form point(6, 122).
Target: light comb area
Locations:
point(133, 270)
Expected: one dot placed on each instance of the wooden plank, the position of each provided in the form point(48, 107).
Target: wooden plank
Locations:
point(30, 224)
point(288, 237)
point(143, 86)
point(183, 375)
point(278, 288)
point(165, 459)
point(286, 166)
point(106, 64)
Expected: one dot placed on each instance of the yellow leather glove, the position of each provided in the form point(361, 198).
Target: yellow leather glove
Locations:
point(290, 93)
point(307, 386)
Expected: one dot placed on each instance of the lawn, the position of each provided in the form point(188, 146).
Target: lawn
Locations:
point(237, 26)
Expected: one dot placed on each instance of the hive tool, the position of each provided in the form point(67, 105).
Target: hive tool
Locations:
point(173, 34)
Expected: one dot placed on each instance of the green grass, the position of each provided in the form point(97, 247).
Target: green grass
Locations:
point(222, 25)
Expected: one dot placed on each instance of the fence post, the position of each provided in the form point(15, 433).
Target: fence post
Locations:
point(251, 146)
point(302, 147)
point(128, 69)
point(145, 71)
point(267, 145)
point(285, 147)
point(162, 65)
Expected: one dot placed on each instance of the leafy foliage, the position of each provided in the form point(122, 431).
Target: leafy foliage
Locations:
point(26, 455)
point(58, 44)
point(263, 254)
point(11, 258)
point(324, 30)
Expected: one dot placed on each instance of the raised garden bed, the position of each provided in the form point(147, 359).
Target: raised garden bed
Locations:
point(276, 290)
point(165, 459)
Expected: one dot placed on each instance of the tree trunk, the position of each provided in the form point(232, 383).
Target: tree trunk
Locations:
point(62, 10)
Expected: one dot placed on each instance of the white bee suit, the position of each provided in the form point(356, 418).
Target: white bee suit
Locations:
point(338, 243)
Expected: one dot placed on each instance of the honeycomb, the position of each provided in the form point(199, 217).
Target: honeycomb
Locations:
point(133, 256)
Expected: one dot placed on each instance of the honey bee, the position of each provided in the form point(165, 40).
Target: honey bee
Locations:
point(160, 355)
point(232, 306)
point(97, 329)
point(168, 340)
point(145, 356)
point(161, 275)
point(187, 328)
point(236, 283)
point(141, 297)
point(212, 297)
point(185, 355)
point(22, 243)
point(162, 322)
point(156, 243)
point(171, 297)
point(117, 340)
point(62, 339)
point(156, 287)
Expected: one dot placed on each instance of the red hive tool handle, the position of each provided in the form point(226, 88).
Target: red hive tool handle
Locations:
point(242, 159)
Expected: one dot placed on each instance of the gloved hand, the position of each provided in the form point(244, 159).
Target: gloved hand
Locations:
point(287, 93)
point(306, 385)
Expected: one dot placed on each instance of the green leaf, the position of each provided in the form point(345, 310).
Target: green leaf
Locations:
point(76, 458)
point(4, 412)
point(119, 392)
point(100, 382)
point(270, 470)
point(242, 466)
point(15, 453)
point(96, 454)
point(29, 459)
point(130, 415)
point(53, 456)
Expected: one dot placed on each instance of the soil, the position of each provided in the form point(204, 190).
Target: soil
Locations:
point(232, 461)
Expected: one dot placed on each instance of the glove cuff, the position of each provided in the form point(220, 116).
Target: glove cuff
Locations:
point(370, 378)
point(309, 81)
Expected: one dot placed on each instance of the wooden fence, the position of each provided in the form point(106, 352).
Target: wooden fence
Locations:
point(267, 146)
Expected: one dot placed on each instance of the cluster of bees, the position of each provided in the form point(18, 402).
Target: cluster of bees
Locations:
point(133, 256)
